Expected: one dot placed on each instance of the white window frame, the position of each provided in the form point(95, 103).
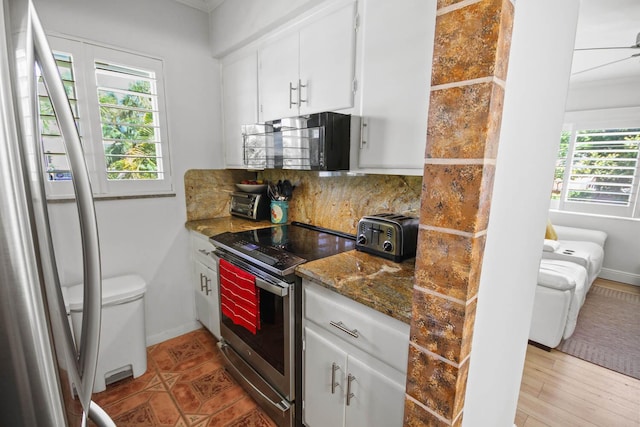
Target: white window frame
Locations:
point(615, 118)
point(84, 55)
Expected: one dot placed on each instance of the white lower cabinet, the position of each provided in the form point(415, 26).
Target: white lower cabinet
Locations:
point(345, 382)
point(360, 395)
point(206, 286)
point(325, 363)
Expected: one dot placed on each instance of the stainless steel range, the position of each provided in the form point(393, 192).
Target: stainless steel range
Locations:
point(260, 303)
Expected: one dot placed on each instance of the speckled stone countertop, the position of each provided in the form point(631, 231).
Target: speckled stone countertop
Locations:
point(383, 285)
point(213, 226)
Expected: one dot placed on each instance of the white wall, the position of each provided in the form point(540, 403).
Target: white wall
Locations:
point(607, 94)
point(147, 236)
point(603, 102)
point(536, 88)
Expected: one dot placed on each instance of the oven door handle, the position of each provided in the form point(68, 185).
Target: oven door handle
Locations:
point(278, 290)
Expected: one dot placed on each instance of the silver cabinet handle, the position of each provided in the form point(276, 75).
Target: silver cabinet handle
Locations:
point(204, 252)
point(300, 86)
point(92, 299)
point(334, 384)
point(291, 89)
point(207, 282)
point(343, 328)
point(203, 282)
point(350, 379)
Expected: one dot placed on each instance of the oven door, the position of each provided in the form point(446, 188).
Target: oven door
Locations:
point(270, 350)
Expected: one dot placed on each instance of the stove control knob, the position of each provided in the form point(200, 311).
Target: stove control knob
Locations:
point(387, 246)
point(362, 239)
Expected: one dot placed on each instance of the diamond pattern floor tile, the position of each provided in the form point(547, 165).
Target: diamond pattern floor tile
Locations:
point(185, 386)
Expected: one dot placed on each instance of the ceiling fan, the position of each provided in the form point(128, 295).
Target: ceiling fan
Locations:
point(633, 55)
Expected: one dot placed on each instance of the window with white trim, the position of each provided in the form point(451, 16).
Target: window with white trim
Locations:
point(598, 170)
point(118, 102)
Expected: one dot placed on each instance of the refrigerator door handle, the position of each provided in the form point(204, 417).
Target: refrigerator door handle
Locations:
point(92, 299)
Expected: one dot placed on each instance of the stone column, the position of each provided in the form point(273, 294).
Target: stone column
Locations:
point(471, 53)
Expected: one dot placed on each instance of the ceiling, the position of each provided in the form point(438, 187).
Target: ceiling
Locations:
point(604, 23)
point(203, 5)
point(601, 23)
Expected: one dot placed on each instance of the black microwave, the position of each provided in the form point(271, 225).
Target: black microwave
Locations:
point(318, 141)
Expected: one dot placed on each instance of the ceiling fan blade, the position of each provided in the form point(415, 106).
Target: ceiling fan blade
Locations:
point(604, 65)
point(635, 46)
point(608, 48)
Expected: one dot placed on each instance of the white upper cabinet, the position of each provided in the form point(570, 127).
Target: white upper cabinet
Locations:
point(240, 104)
point(311, 69)
point(395, 52)
point(327, 62)
point(278, 78)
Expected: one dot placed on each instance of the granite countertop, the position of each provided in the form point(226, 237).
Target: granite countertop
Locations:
point(213, 226)
point(383, 285)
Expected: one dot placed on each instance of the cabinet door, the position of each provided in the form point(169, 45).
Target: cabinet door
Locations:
point(277, 72)
point(327, 62)
point(395, 82)
point(207, 298)
point(377, 401)
point(239, 104)
point(322, 405)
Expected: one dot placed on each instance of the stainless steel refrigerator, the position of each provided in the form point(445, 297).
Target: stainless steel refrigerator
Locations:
point(40, 363)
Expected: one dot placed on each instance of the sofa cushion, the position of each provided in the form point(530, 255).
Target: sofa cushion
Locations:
point(557, 275)
point(595, 253)
point(581, 234)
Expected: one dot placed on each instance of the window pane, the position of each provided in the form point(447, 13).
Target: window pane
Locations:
point(561, 162)
point(54, 154)
point(604, 166)
point(129, 116)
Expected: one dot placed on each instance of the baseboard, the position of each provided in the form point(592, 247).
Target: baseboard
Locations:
point(172, 333)
point(620, 276)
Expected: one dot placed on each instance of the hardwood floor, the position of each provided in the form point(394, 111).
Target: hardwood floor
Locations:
point(561, 390)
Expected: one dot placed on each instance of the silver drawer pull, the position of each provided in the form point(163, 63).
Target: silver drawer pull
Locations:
point(340, 325)
point(334, 384)
point(204, 252)
point(350, 395)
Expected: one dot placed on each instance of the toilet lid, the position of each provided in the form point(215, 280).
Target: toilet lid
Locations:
point(114, 290)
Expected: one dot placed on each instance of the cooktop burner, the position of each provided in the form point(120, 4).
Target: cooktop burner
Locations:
point(281, 248)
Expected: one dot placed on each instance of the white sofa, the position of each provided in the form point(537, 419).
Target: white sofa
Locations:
point(568, 268)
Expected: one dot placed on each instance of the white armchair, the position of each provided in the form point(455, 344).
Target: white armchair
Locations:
point(568, 268)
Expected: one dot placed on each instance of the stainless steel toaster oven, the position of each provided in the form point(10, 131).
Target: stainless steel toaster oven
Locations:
point(249, 205)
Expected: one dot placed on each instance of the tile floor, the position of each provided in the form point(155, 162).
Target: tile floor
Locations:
point(185, 386)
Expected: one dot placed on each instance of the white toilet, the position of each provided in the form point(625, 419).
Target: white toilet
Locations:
point(122, 350)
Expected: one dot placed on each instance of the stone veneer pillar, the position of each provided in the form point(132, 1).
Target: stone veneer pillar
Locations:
point(472, 42)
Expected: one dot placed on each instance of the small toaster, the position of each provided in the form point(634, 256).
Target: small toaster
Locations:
point(391, 236)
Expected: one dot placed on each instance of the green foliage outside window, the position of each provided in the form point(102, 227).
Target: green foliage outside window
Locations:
point(602, 168)
point(129, 132)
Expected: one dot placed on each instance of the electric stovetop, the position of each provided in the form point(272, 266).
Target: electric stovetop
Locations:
point(281, 248)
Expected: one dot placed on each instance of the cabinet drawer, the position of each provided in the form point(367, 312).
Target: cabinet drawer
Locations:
point(201, 250)
point(371, 331)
